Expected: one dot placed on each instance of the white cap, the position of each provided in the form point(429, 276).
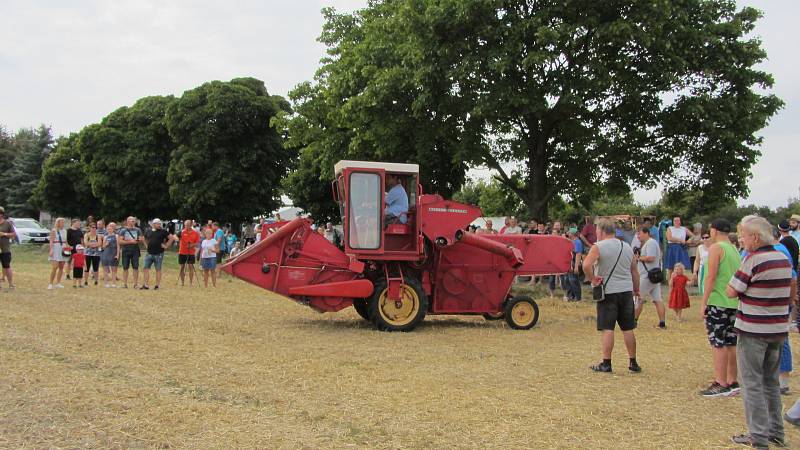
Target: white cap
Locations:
point(156, 221)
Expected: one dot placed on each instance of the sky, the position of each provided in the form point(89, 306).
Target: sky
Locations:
point(69, 64)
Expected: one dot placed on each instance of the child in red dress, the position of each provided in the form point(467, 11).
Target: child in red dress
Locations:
point(678, 297)
point(78, 263)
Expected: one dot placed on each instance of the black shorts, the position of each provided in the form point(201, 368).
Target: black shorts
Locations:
point(617, 308)
point(219, 257)
point(719, 326)
point(185, 259)
point(77, 272)
point(129, 257)
point(5, 259)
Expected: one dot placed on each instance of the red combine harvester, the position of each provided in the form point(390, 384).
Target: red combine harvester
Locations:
point(395, 274)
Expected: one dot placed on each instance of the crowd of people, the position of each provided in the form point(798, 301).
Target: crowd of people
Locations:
point(83, 250)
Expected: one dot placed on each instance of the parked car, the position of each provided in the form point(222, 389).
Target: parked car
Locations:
point(29, 231)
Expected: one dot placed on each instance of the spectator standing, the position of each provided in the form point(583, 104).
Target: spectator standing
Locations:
point(557, 229)
point(513, 227)
point(158, 239)
point(187, 248)
point(208, 257)
point(58, 246)
point(129, 238)
point(794, 225)
point(74, 237)
point(506, 221)
point(628, 233)
point(7, 235)
point(694, 243)
point(219, 236)
point(231, 240)
point(616, 270)
point(488, 228)
point(765, 287)
point(678, 296)
point(571, 280)
point(677, 235)
point(588, 234)
point(698, 271)
point(789, 242)
point(109, 259)
point(332, 235)
point(101, 228)
point(649, 258)
point(92, 245)
point(78, 264)
point(718, 310)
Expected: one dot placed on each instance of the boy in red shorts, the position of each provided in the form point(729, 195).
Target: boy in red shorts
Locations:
point(78, 263)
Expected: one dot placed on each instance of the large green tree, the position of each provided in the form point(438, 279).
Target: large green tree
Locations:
point(229, 159)
point(64, 187)
point(7, 156)
point(126, 157)
point(559, 98)
point(18, 183)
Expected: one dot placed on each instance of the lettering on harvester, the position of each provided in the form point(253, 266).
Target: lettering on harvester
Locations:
point(460, 211)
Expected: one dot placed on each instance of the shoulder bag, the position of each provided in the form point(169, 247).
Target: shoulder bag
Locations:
point(599, 291)
point(66, 251)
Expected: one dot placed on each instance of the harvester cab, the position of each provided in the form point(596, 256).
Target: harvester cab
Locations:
point(370, 231)
point(406, 255)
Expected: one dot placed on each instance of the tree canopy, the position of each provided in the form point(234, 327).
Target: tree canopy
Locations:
point(570, 98)
point(228, 160)
point(30, 147)
point(64, 187)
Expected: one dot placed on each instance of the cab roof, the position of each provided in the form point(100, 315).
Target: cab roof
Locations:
point(387, 166)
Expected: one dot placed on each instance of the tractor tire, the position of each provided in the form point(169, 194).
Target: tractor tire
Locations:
point(521, 312)
point(361, 305)
point(494, 316)
point(403, 315)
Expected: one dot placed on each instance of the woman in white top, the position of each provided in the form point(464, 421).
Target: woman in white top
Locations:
point(208, 256)
point(677, 236)
point(58, 243)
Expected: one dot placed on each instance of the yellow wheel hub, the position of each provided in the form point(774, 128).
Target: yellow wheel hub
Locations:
point(522, 313)
point(399, 312)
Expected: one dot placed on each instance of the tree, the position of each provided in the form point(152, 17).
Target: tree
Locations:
point(228, 160)
point(493, 199)
point(126, 157)
point(32, 147)
point(559, 98)
point(7, 155)
point(64, 187)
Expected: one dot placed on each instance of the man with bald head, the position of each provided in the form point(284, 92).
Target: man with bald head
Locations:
point(129, 238)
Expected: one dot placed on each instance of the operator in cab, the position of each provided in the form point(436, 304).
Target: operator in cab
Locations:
point(396, 201)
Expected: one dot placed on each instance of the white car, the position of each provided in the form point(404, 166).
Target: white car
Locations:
point(29, 231)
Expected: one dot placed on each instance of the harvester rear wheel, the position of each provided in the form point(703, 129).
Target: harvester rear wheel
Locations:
point(402, 315)
point(521, 312)
point(361, 305)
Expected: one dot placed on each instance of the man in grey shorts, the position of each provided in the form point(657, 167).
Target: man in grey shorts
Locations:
point(649, 258)
point(616, 270)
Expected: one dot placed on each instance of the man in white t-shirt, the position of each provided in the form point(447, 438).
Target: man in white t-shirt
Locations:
point(649, 258)
point(513, 227)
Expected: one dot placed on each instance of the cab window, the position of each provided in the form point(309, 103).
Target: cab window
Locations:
point(365, 211)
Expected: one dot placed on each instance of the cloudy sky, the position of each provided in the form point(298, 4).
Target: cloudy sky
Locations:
point(69, 63)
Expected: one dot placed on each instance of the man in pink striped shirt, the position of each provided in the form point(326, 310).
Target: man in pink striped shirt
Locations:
point(765, 287)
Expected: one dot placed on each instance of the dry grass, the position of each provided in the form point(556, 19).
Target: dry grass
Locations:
point(237, 367)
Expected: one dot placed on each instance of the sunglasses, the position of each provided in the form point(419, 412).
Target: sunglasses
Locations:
point(706, 237)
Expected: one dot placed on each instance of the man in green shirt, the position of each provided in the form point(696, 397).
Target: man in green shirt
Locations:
point(719, 311)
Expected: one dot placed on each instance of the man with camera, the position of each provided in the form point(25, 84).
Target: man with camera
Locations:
point(650, 275)
point(615, 281)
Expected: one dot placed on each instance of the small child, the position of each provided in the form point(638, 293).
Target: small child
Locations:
point(208, 257)
point(237, 248)
point(78, 263)
point(678, 297)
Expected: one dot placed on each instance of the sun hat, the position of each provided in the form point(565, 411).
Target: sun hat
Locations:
point(784, 225)
point(795, 217)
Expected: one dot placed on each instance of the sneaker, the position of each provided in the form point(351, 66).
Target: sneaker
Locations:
point(136, 285)
point(86, 283)
point(155, 288)
point(602, 367)
point(49, 286)
point(113, 285)
point(777, 442)
point(635, 367)
point(59, 286)
point(734, 389)
point(662, 326)
point(108, 285)
point(715, 390)
point(795, 422)
point(143, 288)
point(746, 439)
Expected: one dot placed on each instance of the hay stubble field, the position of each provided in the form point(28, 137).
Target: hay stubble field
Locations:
point(238, 367)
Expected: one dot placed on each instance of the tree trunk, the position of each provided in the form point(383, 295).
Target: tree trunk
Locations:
point(536, 192)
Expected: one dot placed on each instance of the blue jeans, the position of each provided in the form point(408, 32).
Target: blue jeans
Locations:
point(150, 260)
point(572, 285)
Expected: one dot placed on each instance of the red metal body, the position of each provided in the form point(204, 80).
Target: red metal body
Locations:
point(457, 272)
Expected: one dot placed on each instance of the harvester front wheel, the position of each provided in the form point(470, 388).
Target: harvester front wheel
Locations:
point(398, 315)
point(521, 312)
point(361, 305)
